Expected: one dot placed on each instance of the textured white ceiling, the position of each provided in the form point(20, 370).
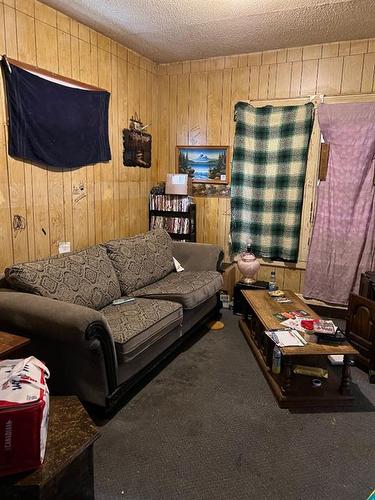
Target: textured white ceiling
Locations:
point(176, 30)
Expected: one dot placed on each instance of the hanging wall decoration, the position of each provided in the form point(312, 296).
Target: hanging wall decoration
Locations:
point(53, 121)
point(137, 144)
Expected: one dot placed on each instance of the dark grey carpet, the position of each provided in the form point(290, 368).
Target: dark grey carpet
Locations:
point(208, 427)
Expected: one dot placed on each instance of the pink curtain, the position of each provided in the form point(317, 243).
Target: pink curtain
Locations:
point(343, 239)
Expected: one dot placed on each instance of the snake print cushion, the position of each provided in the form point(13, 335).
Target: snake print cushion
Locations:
point(132, 318)
point(135, 326)
point(86, 278)
point(189, 288)
point(142, 259)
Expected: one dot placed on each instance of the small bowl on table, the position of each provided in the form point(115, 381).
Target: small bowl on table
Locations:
point(277, 293)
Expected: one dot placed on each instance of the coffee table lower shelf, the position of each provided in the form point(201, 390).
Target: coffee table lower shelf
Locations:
point(301, 393)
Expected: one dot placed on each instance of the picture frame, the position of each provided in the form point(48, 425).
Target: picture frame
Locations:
point(204, 164)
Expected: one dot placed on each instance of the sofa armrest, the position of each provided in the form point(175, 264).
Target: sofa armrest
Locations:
point(198, 256)
point(74, 341)
point(40, 316)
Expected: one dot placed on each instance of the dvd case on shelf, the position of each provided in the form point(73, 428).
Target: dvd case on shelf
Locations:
point(173, 225)
point(171, 203)
point(174, 213)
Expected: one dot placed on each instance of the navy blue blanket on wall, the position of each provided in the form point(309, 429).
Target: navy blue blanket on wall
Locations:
point(53, 124)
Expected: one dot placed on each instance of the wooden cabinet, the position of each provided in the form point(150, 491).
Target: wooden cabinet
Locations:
point(360, 330)
point(367, 285)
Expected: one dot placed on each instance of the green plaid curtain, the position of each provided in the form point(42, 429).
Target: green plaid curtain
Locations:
point(268, 176)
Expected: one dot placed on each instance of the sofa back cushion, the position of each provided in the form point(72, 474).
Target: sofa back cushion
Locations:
point(86, 278)
point(141, 260)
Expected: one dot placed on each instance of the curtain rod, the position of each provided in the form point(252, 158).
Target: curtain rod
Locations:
point(323, 98)
point(309, 97)
point(30, 67)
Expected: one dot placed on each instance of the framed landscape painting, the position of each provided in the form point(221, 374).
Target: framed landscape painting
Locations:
point(204, 164)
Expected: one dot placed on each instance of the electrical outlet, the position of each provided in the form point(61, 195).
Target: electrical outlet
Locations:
point(64, 247)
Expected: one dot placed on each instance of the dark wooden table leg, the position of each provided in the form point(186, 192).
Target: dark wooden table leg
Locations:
point(288, 373)
point(256, 328)
point(267, 351)
point(371, 368)
point(345, 380)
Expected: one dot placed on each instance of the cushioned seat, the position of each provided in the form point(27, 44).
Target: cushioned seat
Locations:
point(189, 288)
point(137, 325)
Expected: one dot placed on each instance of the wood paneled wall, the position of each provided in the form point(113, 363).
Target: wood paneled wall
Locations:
point(196, 101)
point(189, 102)
point(86, 205)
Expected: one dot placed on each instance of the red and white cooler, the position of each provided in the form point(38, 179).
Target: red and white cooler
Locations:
point(24, 406)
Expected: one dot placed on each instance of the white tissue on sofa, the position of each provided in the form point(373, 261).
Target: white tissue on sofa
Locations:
point(178, 266)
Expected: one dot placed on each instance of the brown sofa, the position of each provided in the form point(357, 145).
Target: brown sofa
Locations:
point(93, 348)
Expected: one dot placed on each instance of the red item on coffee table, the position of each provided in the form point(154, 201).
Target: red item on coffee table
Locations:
point(308, 324)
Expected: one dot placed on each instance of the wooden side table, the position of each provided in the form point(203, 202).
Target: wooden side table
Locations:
point(240, 305)
point(228, 270)
point(10, 343)
point(67, 471)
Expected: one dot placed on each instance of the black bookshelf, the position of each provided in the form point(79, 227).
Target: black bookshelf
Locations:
point(180, 224)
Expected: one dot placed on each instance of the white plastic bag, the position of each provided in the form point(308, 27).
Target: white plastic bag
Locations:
point(24, 409)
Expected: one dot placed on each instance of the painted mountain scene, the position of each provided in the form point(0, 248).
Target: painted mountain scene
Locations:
point(203, 164)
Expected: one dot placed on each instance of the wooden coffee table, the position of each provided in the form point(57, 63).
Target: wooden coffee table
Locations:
point(291, 390)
